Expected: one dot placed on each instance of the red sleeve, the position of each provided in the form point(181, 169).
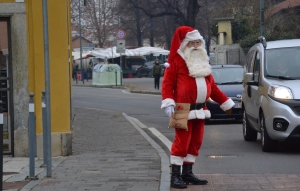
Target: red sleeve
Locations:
point(216, 94)
point(169, 81)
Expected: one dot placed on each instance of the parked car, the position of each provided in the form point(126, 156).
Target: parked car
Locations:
point(229, 79)
point(146, 69)
point(212, 58)
point(271, 101)
point(134, 63)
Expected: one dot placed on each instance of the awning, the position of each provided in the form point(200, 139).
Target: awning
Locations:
point(109, 53)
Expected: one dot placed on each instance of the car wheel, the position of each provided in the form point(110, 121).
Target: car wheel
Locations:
point(249, 133)
point(267, 144)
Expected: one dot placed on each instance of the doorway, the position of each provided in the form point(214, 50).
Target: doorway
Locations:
point(6, 86)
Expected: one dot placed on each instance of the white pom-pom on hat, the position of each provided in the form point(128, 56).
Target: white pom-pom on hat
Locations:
point(167, 65)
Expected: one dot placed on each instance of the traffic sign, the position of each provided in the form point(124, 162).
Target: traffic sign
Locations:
point(120, 46)
point(120, 34)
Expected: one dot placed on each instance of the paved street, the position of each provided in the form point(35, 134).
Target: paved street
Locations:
point(111, 152)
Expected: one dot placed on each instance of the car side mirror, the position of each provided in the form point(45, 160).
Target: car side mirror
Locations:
point(248, 77)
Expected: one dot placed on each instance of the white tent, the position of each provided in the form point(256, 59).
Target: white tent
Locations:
point(111, 52)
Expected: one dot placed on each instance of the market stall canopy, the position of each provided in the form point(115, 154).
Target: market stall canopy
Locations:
point(109, 53)
point(76, 55)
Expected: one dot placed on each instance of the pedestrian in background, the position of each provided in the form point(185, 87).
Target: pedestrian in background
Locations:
point(74, 74)
point(156, 72)
point(187, 84)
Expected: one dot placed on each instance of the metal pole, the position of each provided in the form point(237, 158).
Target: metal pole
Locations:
point(44, 116)
point(112, 52)
point(1, 144)
point(81, 69)
point(116, 78)
point(121, 69)
point(262, 18)
point(121, 60)
point(32, 139)
point(47, 84)
point(121, 77)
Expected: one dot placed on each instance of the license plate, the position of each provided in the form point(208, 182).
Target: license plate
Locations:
point(238, 105)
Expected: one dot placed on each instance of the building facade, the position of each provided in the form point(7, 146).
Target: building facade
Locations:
point(22, 45)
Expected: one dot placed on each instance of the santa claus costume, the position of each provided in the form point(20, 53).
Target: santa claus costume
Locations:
point(188, 79)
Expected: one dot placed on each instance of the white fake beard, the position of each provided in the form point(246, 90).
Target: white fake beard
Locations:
point(197, 61)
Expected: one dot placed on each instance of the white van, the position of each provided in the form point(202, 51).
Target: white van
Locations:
point(271, 92)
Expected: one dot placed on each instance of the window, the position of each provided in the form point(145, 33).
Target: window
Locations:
point(249, 60)
point(256, 67)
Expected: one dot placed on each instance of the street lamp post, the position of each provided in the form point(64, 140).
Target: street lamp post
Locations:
point(262, 18)
point(111, 39)
point(80, 43)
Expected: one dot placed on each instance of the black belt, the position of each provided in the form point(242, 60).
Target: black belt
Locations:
point(197, 106)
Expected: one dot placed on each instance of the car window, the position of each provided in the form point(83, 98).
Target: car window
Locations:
point(228, 75)
point(256, 67)
point(249, 59)
point(283, 62)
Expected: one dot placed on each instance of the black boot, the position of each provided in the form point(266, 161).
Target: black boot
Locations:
point(189, 178)
point(176, 181)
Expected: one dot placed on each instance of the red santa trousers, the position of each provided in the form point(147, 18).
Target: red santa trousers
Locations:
point(186, 145)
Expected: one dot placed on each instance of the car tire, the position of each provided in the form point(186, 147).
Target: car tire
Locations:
point(248, 133)
point(267, 144)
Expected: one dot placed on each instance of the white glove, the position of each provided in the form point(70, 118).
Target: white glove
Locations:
point(169, 110)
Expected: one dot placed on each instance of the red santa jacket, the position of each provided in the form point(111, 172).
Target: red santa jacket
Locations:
point(179, 87)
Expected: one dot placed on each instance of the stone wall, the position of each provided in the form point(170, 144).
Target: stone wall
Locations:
point(230, 54)
point(17, 14)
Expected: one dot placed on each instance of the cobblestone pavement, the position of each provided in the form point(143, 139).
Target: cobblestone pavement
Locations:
point(108, 154)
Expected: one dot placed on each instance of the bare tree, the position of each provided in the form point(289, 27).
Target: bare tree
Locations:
point(97, 20)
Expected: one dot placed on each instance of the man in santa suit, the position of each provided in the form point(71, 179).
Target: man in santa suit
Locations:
point(188, 79)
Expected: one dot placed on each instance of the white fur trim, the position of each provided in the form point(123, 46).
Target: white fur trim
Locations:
point(193, 35)
point(176, 160)
point(167, 102)
point(201, 90)
point(167, 65)
point(190, 158)
point(227, 105)
point(207, 114)
point(199, 114)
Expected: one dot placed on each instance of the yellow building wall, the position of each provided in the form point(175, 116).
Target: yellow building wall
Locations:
point(225, 26)
point(59, 43)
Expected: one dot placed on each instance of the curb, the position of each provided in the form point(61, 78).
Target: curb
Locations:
point(165, 170)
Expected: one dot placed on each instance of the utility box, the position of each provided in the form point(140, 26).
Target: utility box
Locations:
point(107, 75)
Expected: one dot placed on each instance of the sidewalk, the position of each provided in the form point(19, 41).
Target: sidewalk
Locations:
point(133, 90)
point(110, 152)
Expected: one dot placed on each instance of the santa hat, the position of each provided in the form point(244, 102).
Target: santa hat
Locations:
point(181, 37)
